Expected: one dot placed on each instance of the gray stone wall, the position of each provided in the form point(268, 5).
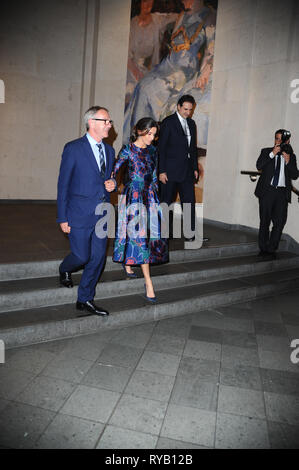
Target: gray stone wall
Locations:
point(57, 58)
point(256, 59)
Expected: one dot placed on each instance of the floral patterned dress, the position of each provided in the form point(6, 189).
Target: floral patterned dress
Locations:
point(138, 233)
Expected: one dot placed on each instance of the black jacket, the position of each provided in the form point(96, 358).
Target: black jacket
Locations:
point(267, 165)
point(173, 149)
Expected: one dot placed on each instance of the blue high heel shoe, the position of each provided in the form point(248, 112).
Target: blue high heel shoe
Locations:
point(152, 300)
point(129, 275)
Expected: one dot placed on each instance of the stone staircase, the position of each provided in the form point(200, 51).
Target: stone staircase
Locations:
point(34, 308)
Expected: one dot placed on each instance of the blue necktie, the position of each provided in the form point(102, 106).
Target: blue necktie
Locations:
point(276, 172)
point(102, 160)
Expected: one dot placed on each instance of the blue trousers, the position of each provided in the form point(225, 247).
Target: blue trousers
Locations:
point(89, 251)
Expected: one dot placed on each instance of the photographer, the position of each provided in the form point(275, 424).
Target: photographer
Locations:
point(279, 167)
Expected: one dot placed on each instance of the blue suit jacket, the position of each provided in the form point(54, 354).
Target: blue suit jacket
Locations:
point(80, 184)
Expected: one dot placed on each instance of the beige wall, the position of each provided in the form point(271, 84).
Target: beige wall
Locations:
point(41, 65)
point(256, 58)
point(57, 58)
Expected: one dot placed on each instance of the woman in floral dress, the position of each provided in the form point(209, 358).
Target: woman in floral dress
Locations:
point(138, 238)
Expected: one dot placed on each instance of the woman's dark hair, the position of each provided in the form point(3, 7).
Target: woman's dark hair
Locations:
point(142, 127)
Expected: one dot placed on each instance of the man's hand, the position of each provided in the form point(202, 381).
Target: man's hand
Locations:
point(65, 227)
point(276, 149)
point(110, 185)
point(163, 178)
point(203, 79)
point(196, 175)
point(286, 157)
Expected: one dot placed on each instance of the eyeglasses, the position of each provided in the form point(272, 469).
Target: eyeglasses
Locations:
point(107, 121)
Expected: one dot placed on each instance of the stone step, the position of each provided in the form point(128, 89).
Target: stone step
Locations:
point(46, 291)
point(37, 325)
point(29, 270)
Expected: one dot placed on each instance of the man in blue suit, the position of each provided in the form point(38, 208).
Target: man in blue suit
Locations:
point(84, 183)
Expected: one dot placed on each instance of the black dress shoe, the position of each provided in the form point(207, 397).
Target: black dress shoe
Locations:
point(189, 239)
point(91, 307)
point(267, 255)
point(66, 279)
point(264, 253)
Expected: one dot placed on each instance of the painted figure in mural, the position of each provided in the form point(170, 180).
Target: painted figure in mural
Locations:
point(146, 34)
point(157, 93)
point(140, 242)
point(200, 87)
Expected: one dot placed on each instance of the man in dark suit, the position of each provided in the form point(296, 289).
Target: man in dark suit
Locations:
point(178, 156)
point(274, 191)
point(84, 183)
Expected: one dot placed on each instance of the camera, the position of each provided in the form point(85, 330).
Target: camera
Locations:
point(284, 147)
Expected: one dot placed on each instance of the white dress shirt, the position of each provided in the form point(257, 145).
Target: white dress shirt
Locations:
point(96, 150)
point(185, 127)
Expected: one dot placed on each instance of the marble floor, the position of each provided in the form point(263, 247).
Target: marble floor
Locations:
point(216, 379)
point(219, 379)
